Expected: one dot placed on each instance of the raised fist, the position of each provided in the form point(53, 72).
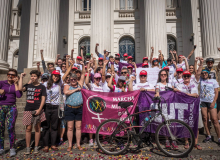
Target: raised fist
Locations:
point(72, 50)
point(91, 54)
point(90, 69)
point(174, 52)
point(81, 62)
point(38, 64)
point(58, 55)
point(67, 56)
point(152, 48)
point(41, 51)
point(106, 62)
point(196, 59)
point(159, 51)
point(133, 78)
point(97, 44)
point(23, 75)
point(71, 62)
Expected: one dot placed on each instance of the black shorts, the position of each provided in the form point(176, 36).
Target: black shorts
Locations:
point(73, 114)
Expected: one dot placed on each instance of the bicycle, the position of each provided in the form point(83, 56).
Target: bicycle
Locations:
point(113, 136)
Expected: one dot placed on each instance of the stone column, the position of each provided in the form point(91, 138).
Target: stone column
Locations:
point(210, 28)
point(101, 25)
point(155, 26)
point(5, 16)
point(48, 29)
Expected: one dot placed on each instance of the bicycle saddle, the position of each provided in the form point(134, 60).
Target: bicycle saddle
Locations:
point(125, 104)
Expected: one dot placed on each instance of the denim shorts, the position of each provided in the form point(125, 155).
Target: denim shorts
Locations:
point(207, 104)
point(73, 114)
point(62, 123)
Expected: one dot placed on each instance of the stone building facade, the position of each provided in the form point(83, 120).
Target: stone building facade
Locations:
point(131, 26)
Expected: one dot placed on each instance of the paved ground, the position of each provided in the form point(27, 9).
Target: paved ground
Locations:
point(210, 151)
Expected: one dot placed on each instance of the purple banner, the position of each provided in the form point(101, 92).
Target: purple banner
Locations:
point(139, 65)
point(177, 106)
point(100, 106)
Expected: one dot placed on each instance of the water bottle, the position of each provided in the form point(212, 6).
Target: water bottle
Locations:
point(147, 119)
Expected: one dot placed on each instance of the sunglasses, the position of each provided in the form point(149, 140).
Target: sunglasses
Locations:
point(98, 79)
point(155, 60)
point(186, 76)
point(12, 75)
point(107, 77)
point(123, 72)
point(143, 76)
point(121, 81)
point(63, 66)
point(210, 62)
point(163, 75)
point(73, 79)
point(204, 73)
point(179, 72)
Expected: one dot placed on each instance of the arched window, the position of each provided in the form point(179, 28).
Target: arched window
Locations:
point(86, 5)
point(127, 45)
point(171, 44)
point(86, 43)
point(15, 60)
point(126, 4)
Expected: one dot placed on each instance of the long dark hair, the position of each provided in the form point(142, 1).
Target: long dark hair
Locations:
point(159, 79)
point(50, 82)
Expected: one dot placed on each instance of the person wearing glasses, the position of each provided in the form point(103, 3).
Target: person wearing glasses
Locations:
point(190, 87)
point(9, 91)
point(143, 85)
point(208, 97)
point(120, 86)
point(179, 77)
point(73, 109)
point(183, 63)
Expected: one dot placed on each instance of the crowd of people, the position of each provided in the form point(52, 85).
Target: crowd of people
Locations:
point(54, 100)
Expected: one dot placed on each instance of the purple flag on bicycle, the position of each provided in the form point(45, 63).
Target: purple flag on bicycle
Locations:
point(177, 105)
point(100, 106)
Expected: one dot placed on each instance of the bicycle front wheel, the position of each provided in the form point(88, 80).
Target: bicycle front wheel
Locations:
point(178, 142)
point(112, 138)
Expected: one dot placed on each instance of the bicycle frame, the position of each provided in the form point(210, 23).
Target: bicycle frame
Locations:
point(148, 122)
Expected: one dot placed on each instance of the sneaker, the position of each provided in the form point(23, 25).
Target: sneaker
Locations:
point(61, 142)
point(168, 145)
point(174, 145)
point(28, 150)
point(91, 143)
point(12, 152)
point(35, 150)
point(2, 151)
point(208, 139)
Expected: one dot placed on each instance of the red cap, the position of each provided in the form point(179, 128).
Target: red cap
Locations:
point(117, 54)
point(180, 56)
point(86, 74)
point(186, 73)
point(155, 59)
point(74, 68)
point(143, 73)
point(166, 68)
point(56, 72)
point(129, 67)
point(79, 57)
point(145, 64)
point(100, 59)
point(145, 58)
point(125, 55)
point(179, 70)
point(130, 57)
point(85, 66)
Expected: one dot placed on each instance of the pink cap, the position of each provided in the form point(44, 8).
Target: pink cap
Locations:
point(97, 75)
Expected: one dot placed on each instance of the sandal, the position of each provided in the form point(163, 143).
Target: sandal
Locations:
point(69, 149)
point(80, 148)
point(186, 145)
point(54, 148)
point(197, 146)
point(45, 150)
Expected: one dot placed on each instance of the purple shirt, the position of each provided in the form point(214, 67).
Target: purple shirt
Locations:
point(9, 98)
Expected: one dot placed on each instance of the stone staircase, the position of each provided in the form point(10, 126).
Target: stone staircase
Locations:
point(20, 103)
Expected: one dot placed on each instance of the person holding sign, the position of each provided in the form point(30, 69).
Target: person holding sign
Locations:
point(190, 87)
point(143, 85)
point(145, 65)
point(145, 60)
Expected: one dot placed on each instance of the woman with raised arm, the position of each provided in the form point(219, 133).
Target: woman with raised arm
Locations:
point(9, 91)
point(120, 86)
point(182, 62)
point(73, 109)
point(36, 95)
point(190, 87)
point(179, 77)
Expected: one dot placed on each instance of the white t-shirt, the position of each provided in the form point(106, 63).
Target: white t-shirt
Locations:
point(193, 77)
point(79, 66)
point(175, 82)
point(146, 85)
point(172, 70)
point(188, 89)
point(116, 89)
point(97, 88)
point(123, 61)
point(59, 69)
point(182, 65)
point(105, 87)
point(162, 87)
point(207, 90)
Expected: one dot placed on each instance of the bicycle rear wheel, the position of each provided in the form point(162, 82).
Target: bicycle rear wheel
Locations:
point(109, 143)
point(180, 132)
